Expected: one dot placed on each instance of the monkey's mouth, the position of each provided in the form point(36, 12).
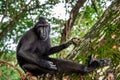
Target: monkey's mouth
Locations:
point(43, 37)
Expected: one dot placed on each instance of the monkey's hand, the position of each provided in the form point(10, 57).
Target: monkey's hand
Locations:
point(52, 66)
point(76, 41)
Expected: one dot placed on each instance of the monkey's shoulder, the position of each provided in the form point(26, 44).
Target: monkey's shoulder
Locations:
point(29, 34)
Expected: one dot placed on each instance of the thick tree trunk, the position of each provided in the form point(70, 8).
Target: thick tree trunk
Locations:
point(103, 30)
point(103, 41)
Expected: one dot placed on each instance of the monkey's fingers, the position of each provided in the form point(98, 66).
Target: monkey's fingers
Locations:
point(53, 67)
point(105, 62)
point(77, 40)
point(50, 62)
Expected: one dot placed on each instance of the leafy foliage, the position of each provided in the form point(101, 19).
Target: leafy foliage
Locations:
point(17, 16)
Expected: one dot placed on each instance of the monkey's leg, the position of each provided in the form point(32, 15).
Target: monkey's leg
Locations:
point(35, 69)
point(72, 67)
point(68, 66)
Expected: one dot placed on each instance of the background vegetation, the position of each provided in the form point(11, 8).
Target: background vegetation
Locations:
point(97, 21)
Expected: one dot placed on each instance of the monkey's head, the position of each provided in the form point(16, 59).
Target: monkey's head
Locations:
point(42, 28)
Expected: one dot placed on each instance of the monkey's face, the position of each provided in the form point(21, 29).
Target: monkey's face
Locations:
point(43, 31)
point(42, 28)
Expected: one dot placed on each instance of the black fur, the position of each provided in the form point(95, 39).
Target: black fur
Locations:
point(34, 48)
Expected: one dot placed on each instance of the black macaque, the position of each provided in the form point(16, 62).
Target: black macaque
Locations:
point(34, 48)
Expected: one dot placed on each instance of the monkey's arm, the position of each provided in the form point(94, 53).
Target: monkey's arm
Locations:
point(34, 59)
point(63, 46)
point(26, 53)
point(59, 48)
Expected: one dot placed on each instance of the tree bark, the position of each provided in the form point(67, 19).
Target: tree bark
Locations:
point(99, 32)
point(69, 24)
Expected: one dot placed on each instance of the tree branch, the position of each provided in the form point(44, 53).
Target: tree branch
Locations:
point(69, 24)
point(109, 19)
point(14, 20)
point(5, 62)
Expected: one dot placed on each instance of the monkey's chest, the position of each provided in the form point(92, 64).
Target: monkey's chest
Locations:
point(42, 48)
